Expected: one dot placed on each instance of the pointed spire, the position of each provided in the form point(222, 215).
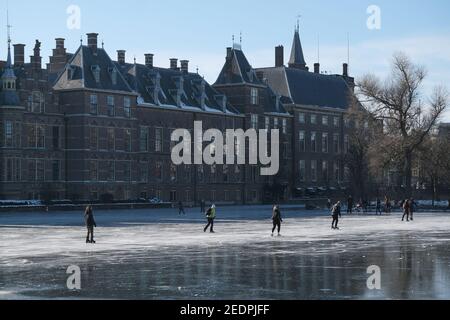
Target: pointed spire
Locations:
point(8, 26)
point(297, 59)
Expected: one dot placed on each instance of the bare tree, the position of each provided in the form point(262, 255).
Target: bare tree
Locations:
point(435, 162)
point(400, 104)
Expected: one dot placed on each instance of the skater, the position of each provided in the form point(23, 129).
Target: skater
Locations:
point(387, 205)
point(350, 205)
point(181, 208)
point(329, 205)
point(406, 210)
point(336, 214)
point(378, 209)
point(277, 220)
point(412, 204)
point(210, 215)
point(90, 224)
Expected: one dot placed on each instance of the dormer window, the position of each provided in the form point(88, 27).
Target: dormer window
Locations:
point(96, 73)
point(70, 73)
point(113, 73)
point(254, 99)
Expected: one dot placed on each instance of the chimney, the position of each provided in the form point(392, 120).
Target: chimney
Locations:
point(60, 43)
point(316, 67)
point(19, 55)
point(345, 71)
point(93, 41)
point(149, 60)
point(174, 64)
point(229, 50)
point(184, 66)
point(121, 56)
point(279, 56)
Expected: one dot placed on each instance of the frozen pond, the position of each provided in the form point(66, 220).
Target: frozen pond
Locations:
point(159, 255)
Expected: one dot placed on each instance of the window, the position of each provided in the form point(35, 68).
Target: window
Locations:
point(55, 132)
point(9, 170)
point(313, 119)
point(325, 142)
point(32, 170)
point(127, 172)
point(275, 123)
point(336, 148)
point(325, 120)
point(173, 173)
point(314, 170)
point(111, 171)
point(337, 173)
point(127, 107)
point(94, 138)
point(336, 121)
point(346, 143)
point(254, 96)
point(347, 122)
point(94, 104)
point(127, 140)
point(267, 123)
point(302, 170)
point(111, 139)
point(40, 170)
point(158, 140)
point(254, 121)
point(225, 173)
point(302, 140)
point(55, 170)
point(325, 171)
point(40, 133)
point(313, 142)
point(187, 173)
point(201, 173)
point(143, 139)
point(94, 170)
point(8, 134)
point(301, 118)
point(159, 171)
point(37, 102)
point(114, 76)
point(284, 126)
point(143, 172)
point(96, 73)
point(111, 106)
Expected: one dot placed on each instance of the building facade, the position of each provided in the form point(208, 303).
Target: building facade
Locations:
point(90, 128)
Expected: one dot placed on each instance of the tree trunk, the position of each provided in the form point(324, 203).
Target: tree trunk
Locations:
point(407, 171)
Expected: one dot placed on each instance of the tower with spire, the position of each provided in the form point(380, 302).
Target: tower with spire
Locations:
point(297, 59)
point(8, 96)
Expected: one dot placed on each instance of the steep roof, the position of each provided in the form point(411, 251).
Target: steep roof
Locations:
point(161, 87)
point(307, 88)
point(297, 59)
point(9, 97)
point(237, 70)
point(79, 73)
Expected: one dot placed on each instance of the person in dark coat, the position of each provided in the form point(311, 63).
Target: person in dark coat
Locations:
point(406, 210)
point(336, 214)
point(90, 224)
point(412, 205)
point(378, 209)
point(329, 205)
point(181, 208)
point(277, 220)
point(350, 205)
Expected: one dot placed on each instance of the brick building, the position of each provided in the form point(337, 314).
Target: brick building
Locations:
point(88, 127)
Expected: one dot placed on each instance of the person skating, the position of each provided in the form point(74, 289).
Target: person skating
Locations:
point(350, 205)
point(336, 214)
point(412, 204)
point(181, 208)
point(90, 224)
point(406, 210)
point(277, 220)
point(378, 208)
point(210, 215)
point(387, 205)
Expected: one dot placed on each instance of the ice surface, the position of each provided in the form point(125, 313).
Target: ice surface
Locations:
point(160, 255)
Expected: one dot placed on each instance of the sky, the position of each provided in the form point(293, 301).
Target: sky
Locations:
point(200, 31)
